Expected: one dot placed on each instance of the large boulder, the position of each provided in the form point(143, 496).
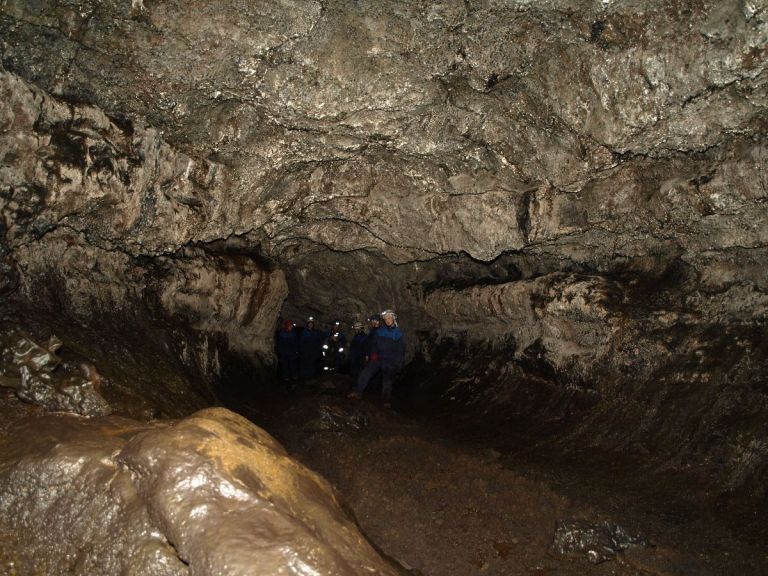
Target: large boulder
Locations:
point(208, 495)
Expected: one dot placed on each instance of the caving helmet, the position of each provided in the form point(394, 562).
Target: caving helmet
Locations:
point(390, 313)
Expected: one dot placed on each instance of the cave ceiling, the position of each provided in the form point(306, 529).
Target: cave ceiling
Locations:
point(441, 144)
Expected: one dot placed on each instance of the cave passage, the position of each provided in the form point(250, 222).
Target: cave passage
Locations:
point(448, 491)
point(564, 201)
point(433, 483)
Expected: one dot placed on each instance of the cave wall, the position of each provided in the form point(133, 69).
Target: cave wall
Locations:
point(101, 205)
point(578, 186)
point(100, 221)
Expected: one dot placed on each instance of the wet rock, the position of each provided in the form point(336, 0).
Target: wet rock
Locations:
point(577, 186)
point(38, 376)
point(211, 494)
point(568, 316)
point(73, 394)
point(105, 217)
point(598, 542)
point(337, 419)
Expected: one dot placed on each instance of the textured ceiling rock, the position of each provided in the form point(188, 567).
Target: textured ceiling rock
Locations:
point(399, 116)
point(114, 496)
point(351, 126)
point(72, 166)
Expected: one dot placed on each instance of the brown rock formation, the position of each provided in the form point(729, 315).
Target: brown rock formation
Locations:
point(572, 193)
point(211, 494)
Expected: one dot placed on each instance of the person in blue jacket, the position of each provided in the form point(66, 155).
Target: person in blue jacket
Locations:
point(288, 353)
point(310, 350)
point(387, 356)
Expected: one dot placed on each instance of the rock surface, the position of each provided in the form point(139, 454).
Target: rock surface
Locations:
point(210, 494)
point(37, 375)
point(599, 542)
point(442, 502)
point(574, 191)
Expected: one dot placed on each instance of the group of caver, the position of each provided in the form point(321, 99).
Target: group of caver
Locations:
point(304, 352)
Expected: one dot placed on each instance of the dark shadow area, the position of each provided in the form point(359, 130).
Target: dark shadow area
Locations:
point(140, 371)
point(452, 460)
point(426, 449)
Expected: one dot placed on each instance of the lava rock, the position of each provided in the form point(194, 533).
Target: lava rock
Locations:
point(210, 494)
point(336, 419)
point(200, 165)
point(598, 542)
point(38, 376)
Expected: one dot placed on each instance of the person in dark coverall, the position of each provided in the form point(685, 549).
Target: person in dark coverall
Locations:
point(375, 324)
point(357, 350)
point(333, 354)
point(387, 356)
point(336, 329)
point(288, 353)
point(310, 349)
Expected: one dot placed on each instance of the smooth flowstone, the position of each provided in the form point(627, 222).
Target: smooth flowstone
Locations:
point(210, 494)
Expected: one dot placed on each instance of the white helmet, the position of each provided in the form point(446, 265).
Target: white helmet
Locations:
point(391, 314)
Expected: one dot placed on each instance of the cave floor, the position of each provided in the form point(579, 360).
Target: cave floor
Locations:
point(443, 507)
